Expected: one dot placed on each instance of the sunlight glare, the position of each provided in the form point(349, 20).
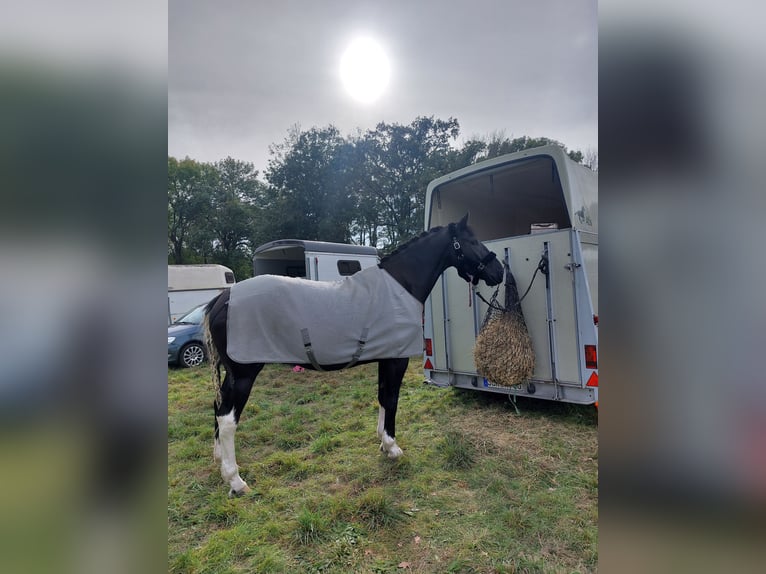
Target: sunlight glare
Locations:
point(364, 70)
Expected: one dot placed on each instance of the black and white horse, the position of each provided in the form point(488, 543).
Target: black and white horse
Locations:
point(416, 266)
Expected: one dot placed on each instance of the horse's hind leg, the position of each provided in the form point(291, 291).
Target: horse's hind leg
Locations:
point(390, 375)
point(235, 391)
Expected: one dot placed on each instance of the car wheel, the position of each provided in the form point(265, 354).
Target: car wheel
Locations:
point(192, 355)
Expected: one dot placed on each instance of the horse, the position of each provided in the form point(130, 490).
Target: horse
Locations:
point(414, 267)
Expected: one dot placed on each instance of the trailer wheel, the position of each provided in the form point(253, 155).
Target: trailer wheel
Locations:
point(192, 355)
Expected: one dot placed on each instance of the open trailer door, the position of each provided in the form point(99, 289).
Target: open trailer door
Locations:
point(529, 209)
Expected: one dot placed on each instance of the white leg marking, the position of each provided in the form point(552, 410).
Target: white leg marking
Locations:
point(216, 450)
point(389, 446)
point(229, 469)
point(381, 420)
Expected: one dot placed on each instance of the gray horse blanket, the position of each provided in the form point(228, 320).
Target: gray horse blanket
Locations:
point(271, 318)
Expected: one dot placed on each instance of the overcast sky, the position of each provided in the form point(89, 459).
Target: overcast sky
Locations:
point(242, 72)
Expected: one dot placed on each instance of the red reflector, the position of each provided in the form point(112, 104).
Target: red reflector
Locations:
point(428, 365)
point(591, 360)
point(592, 380)
point(595, 320)
point(429, 348)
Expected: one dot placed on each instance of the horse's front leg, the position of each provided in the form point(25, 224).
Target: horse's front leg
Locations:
point(234, 396)
point(390, 375)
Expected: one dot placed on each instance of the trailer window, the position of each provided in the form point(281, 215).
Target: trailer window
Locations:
point(229, 277)
point(348, 267)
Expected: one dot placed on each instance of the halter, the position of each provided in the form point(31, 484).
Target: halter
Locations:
point(462, 263)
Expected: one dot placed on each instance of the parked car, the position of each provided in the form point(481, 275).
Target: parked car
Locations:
point(186, 339)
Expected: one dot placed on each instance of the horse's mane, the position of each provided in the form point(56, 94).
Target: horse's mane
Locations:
point(415, 239)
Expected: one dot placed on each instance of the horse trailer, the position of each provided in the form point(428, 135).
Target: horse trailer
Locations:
point(538, 211)
point(313, 260)
point(193, 285)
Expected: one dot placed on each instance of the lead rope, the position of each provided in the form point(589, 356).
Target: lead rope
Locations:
point(492, 303)
point(512, 400)
point(541, 266)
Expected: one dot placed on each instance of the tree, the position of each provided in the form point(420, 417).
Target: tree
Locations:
point(368, 189)
point(309, 177)
point(235, 214)
point(497, 144)
point(396, 164)
point(472, 151)
point(190, 186)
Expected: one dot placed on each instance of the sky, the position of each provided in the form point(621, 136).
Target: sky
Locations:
point(242, 73)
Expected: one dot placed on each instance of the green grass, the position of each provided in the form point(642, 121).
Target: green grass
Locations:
point(479, 488)
point(457, 450)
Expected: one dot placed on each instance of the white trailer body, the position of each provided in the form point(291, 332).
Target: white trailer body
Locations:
point(313, 260)
point(192, 285)
point(527, 207)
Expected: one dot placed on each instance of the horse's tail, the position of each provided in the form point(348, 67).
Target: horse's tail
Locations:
point(212, 352)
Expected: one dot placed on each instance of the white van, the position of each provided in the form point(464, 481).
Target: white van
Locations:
point(313, 260)
point(535, 209)
point(192, 285)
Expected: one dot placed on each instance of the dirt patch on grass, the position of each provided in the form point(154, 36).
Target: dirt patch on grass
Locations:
point(508, 432)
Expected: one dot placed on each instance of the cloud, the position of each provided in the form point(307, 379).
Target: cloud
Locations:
point(240, 74)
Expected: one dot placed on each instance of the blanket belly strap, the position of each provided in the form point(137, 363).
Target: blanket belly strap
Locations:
point(362, 340)
point(354, 358)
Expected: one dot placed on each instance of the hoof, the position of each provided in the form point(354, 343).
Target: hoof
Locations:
point(241, 492)
point(391, 451)
point(395, 453)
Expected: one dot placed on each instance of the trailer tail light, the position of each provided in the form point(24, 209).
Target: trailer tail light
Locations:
point(591, 360)
point(429, 348)
point(595, 320)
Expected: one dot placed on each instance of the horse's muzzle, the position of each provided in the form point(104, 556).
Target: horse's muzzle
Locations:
point(493, 273)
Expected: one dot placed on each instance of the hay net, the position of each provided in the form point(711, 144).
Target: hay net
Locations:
point(503, 352)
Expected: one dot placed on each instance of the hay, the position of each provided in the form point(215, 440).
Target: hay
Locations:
point(503, 353)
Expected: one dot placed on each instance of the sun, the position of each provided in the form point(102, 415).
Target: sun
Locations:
point(364, 70)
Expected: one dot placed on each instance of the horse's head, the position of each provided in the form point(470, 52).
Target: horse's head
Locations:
point(472, 259)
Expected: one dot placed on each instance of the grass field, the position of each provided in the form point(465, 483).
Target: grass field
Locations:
point(479, 488)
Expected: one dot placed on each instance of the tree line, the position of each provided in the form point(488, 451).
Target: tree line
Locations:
point(367, 189)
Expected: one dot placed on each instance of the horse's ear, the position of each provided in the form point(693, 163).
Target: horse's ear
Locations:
point(463, 223)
